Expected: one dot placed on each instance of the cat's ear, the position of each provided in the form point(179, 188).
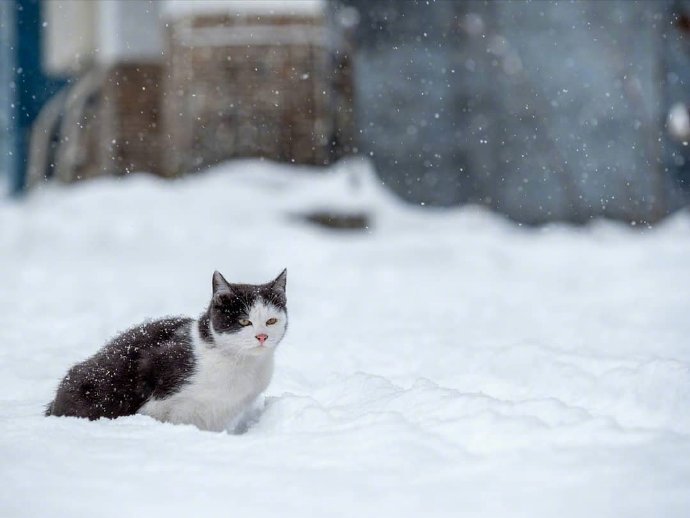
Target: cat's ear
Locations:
point(219, 283)
point(279, 282)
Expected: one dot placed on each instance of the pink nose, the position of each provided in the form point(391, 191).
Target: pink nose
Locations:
point(261, 338)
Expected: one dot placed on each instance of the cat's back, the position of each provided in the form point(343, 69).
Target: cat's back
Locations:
point(147, 335)
point(148, 359)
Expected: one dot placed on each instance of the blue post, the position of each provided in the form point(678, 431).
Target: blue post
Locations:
point(32, 87)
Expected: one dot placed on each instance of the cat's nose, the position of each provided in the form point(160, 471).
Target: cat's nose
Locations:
point(262, 338)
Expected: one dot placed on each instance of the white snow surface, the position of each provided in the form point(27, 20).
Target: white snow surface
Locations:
point(441, 363)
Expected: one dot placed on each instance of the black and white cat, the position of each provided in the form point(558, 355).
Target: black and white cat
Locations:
point(205, 372)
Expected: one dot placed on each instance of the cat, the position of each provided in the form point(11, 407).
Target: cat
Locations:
point(206, 372)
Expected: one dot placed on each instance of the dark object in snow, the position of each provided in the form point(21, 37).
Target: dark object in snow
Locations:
point(204, 372)
point(339, 220)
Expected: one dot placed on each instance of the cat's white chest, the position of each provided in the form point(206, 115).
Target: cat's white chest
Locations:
point(222, 388)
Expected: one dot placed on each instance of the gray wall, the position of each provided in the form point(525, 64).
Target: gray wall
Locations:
point(542, 110)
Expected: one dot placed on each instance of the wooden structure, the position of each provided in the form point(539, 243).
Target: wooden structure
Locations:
point(256, 85)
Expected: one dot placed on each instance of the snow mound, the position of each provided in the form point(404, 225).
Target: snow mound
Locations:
point(438, 363)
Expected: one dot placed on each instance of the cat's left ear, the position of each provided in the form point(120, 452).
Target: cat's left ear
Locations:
point(279, 282)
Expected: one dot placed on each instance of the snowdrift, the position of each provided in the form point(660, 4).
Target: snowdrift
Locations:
point(438, 363)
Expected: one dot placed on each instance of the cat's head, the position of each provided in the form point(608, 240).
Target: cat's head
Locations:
point(247, 318)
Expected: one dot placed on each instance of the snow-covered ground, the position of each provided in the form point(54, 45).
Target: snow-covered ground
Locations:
point(442, 363)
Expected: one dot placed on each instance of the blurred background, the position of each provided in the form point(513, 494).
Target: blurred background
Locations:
point(540, 110)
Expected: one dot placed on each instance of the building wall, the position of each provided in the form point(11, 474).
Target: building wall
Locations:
point(67, 55)
point(542, 110)
point(129, 32)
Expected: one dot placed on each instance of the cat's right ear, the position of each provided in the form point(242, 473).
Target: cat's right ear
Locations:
point(220, 285)
point(279, 282)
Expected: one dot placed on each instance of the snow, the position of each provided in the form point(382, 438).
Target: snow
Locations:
point(678, 122)
point(440, 363)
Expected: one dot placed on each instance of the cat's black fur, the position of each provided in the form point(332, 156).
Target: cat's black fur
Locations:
point(151, 360)
point(154, 359)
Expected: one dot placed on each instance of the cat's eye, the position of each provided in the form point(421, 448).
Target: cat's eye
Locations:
point(271, 321)
point(244, 322)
